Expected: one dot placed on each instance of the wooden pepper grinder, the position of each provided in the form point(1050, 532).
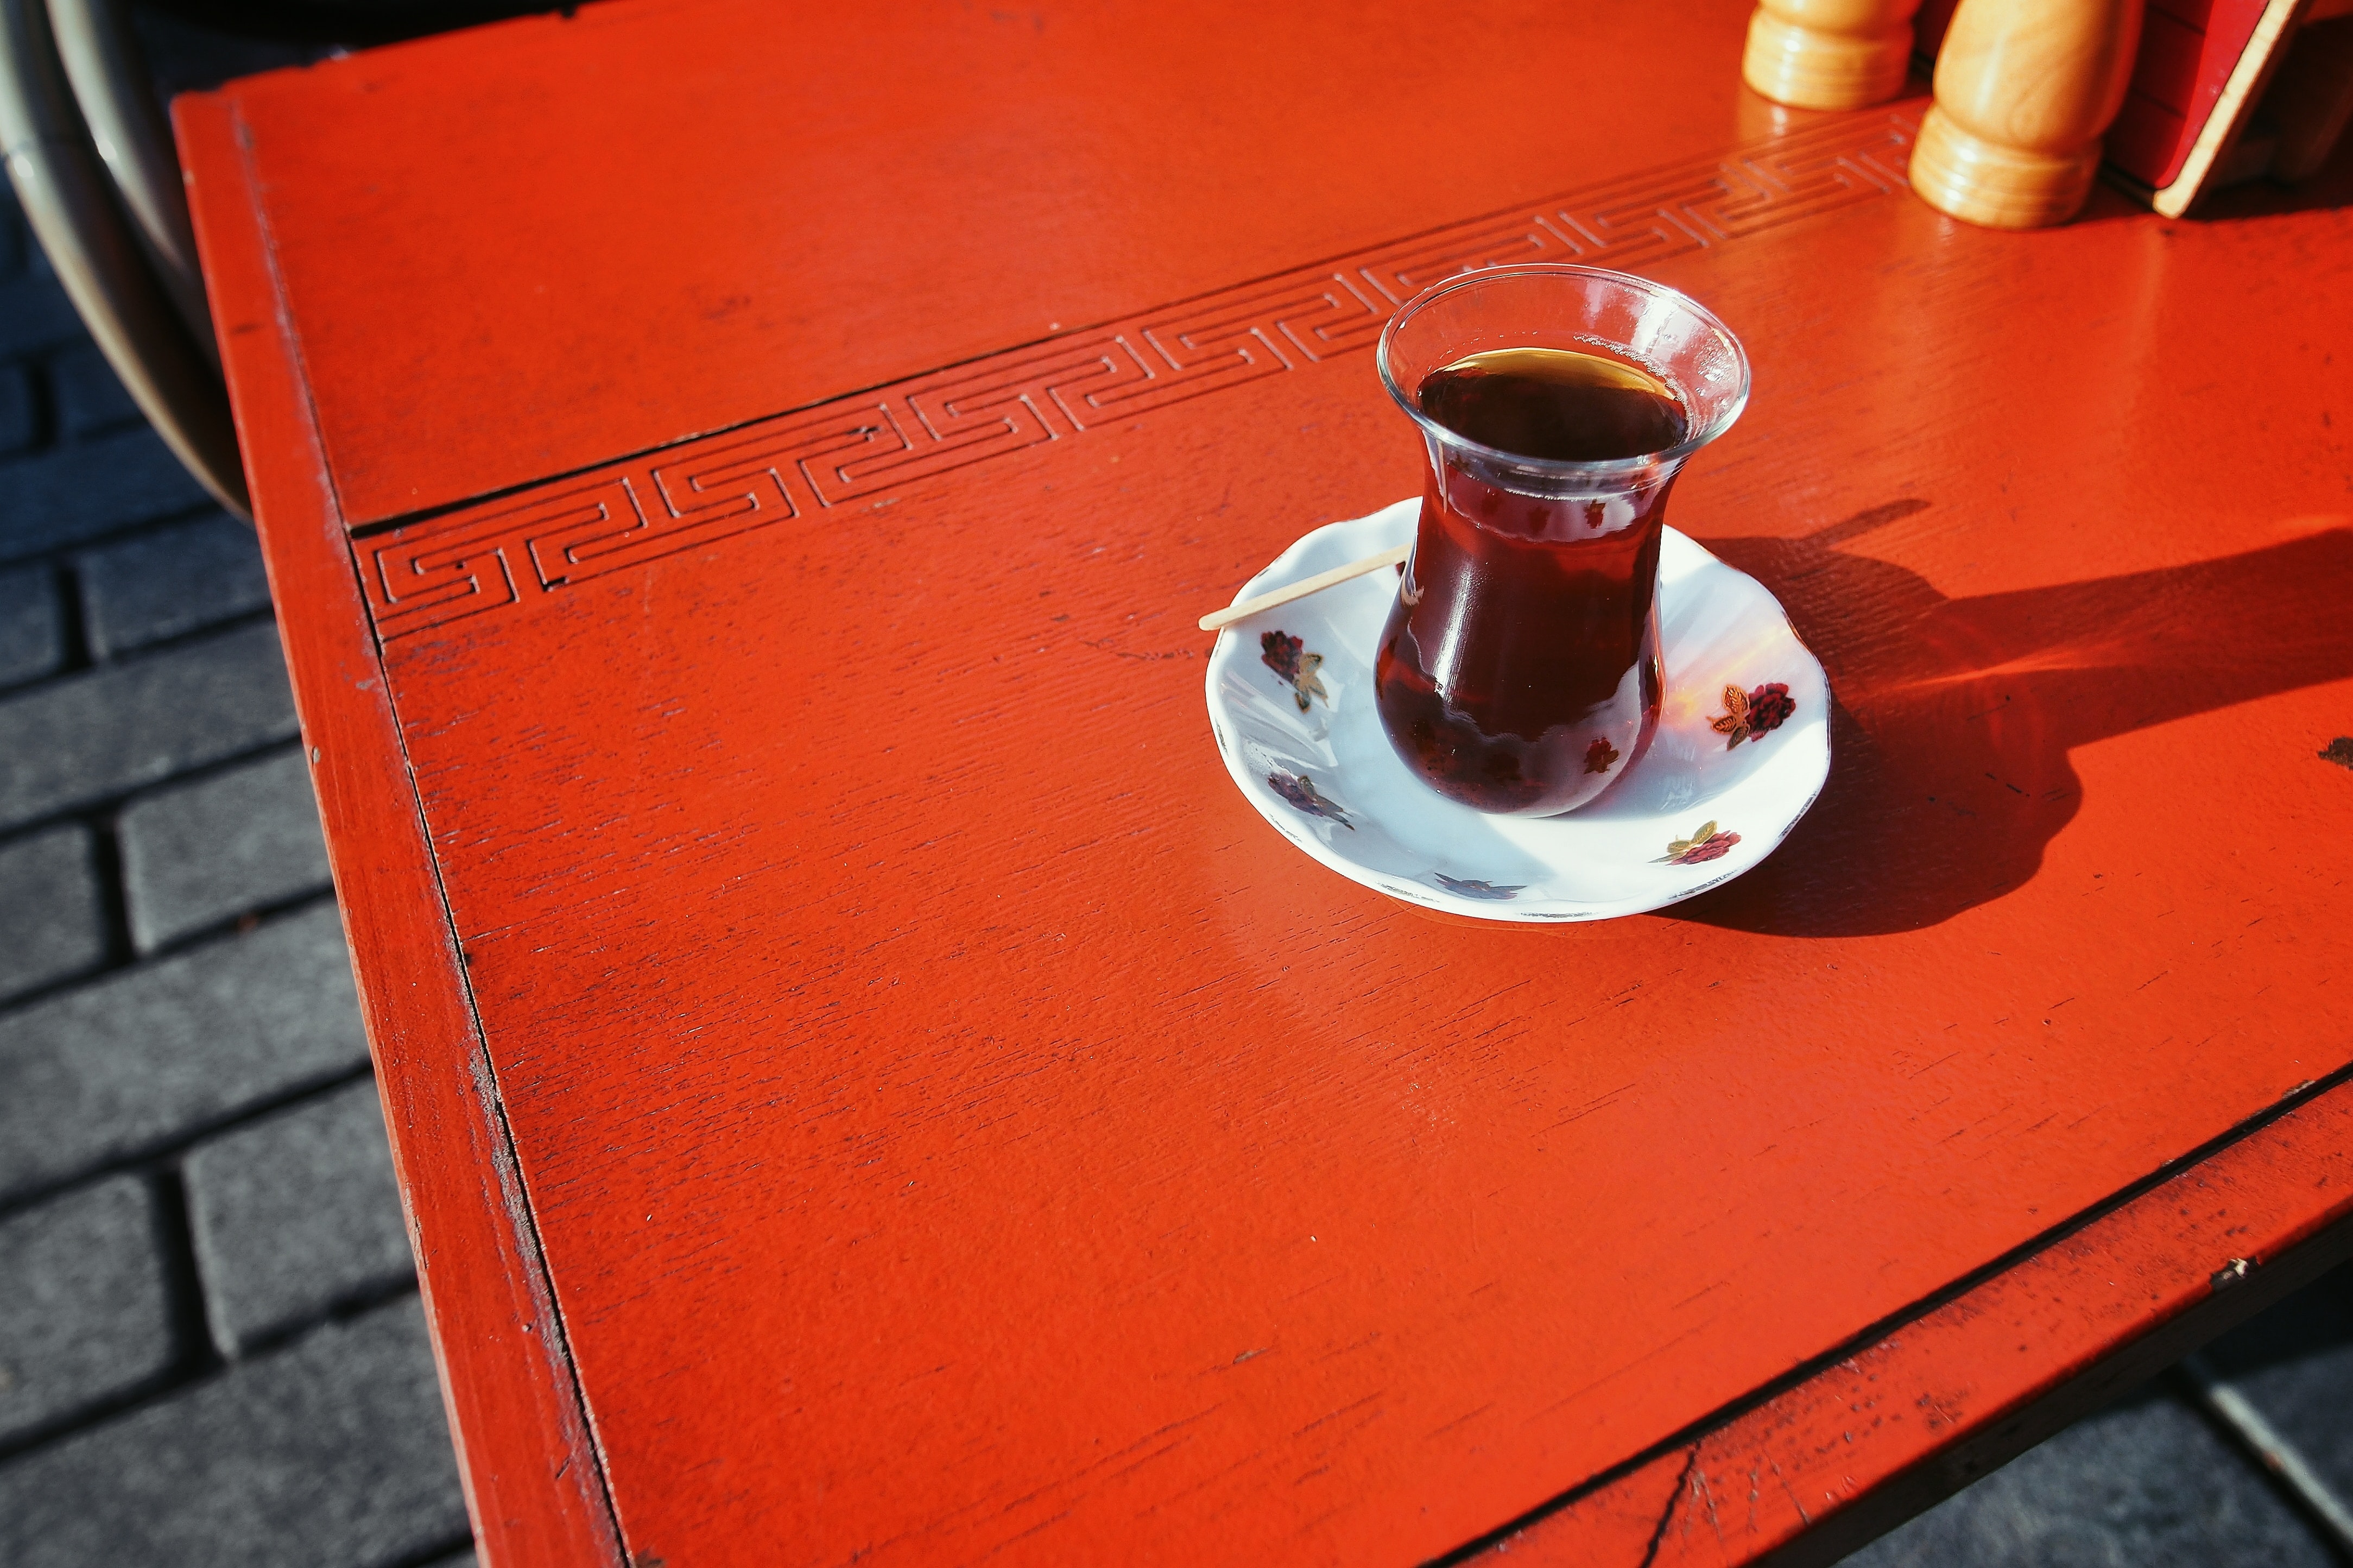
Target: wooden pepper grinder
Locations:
point(1829, 54)
point(2024, 90)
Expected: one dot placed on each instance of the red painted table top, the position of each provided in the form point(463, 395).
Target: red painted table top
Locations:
point(739, 485)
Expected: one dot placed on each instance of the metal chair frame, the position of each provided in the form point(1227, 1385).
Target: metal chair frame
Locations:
point(93, 163)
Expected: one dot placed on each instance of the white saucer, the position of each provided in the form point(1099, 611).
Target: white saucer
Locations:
point(1700, 806)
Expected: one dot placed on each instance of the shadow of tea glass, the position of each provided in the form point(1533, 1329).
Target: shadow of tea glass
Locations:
point(1519, 671)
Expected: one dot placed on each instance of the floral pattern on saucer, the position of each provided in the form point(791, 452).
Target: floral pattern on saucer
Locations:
point(1707, 844)
point(1289, 659)
point(1750, 715)
point(1480, 889)
point(1301, 791)
point(1307, 751)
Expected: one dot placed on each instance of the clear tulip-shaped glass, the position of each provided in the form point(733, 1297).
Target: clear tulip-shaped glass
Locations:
point(1519, 671)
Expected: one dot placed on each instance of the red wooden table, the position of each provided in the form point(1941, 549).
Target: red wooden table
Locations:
point(738, 482)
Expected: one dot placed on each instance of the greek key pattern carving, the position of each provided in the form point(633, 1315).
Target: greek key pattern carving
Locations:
point(519, 549)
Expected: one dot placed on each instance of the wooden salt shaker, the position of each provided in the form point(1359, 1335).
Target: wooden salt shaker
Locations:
point(1829, 54)
point(2024, 90)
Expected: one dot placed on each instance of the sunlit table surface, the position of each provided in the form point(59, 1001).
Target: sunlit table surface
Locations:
point(738, 483)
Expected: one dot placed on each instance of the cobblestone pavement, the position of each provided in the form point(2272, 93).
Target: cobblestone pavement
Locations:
point(211, 1350)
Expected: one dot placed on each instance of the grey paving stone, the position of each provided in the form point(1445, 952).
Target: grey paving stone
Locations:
point(104, 732)
point(465, 1559)
point(197, 854)
point(2294, 1365)
point(295, 1214)
point(14, 240)
point(32, 633)
point(329, 1454)
point(35, 313)
point(52, 924)
point(89, 397)
point(87, 1311)
point(20, 423)
point(179, 578)
point(140, 1057)
point(76, 493)
point(2146, 1484)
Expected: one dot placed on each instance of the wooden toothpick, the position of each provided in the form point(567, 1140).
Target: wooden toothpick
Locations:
point(1305, 586)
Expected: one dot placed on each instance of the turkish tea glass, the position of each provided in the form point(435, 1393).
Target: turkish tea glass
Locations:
point(1519, 671)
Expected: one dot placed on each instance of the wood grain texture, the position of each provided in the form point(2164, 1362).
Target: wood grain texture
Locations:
point(873, 448)
point(2024, 90)
point(533, 1490)
point(1002, 1094)
point(793, 202)
point(1829, 54)
point(956, 1127)
point(1947, 1396)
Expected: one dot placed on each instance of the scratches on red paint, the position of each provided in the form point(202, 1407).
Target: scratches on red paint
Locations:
point(1365, 1342)
point(1330, 1416)
point(1601, 1102)
point(1675, 1500)
point(1463, 1420)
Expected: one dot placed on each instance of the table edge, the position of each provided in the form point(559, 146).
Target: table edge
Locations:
point(534, 1480)
point(1918, 1407)
point(2164, 1265)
